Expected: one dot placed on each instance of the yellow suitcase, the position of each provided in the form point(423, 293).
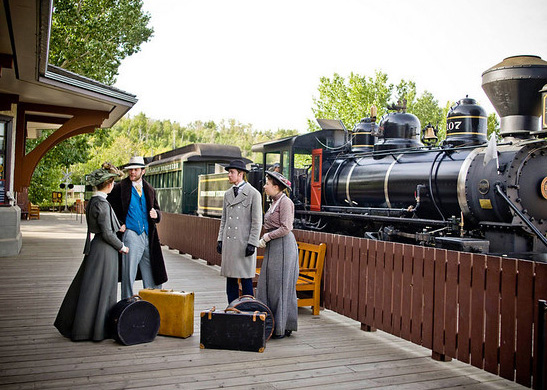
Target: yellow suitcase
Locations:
point(176, 310)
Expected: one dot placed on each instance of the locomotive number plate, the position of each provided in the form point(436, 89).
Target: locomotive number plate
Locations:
point(485, 204)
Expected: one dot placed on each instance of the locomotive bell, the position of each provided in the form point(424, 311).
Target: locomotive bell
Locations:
point(466, 123)
point(513, 87)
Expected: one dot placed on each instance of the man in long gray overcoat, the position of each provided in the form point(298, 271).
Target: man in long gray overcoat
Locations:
point(239, 231)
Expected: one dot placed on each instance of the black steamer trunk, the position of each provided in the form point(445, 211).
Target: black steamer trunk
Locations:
point(233, 329)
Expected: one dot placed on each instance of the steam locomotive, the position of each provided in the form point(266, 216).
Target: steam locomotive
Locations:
point(387, 181)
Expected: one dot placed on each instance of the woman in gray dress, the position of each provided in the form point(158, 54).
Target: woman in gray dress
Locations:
point(84, 311)
point(279, 271)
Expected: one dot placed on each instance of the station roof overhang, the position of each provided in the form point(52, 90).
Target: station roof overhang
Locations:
point(51, 95)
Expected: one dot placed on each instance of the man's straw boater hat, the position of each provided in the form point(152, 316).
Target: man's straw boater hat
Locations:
point(135, 162)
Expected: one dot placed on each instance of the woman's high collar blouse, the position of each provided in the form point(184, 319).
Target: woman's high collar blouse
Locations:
point(279, 222)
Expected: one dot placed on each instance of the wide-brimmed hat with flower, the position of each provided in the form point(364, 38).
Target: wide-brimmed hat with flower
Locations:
point(280, 178)
point(102, 174)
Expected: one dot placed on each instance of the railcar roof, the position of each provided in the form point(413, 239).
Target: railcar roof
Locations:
point(331, 138)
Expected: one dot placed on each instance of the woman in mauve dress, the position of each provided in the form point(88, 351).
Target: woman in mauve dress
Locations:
point(279, 271)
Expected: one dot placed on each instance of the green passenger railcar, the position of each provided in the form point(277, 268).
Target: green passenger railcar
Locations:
point(174, 174)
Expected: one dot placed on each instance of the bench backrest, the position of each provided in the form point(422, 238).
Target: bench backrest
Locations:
point(311, 258)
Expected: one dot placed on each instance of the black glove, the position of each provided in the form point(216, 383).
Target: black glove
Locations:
point(250, 250)
point(219, 247)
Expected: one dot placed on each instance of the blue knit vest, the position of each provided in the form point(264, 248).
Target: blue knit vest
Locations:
point(137, 217)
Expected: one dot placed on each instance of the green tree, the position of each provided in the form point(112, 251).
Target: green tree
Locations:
point(350, 100)
point(493, 124)
point(49, 172)
point(92, 37)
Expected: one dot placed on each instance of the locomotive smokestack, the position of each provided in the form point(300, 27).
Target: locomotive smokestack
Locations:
point(513, 86)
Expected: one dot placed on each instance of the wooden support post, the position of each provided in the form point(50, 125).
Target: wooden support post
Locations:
point(367, 328)
point(441, 357)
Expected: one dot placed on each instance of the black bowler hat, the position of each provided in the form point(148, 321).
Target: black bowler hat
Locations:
point(237, 164)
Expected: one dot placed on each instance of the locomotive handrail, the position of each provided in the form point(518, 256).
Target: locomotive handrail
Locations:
point(521, 215)
point(412, 221)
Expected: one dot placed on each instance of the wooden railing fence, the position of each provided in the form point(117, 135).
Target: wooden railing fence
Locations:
point(481, 310)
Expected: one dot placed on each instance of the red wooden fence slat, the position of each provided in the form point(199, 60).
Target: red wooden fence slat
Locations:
point(464, 308)
point(354, 276)
point(477, 310)
point(428, 298)
point(439, 301)
point(387, 324)
point(363, 280)
point(525, 310)
point(540, 293)
point(451, 303)
point(406, 311)
point(322, 238)
point(417, 295)
point(508, 315)
point(379, 287)
point(328, 269)
point(397, 288)
point(340, 264)
point(346, 290)
point(492, 301)
point(371, 288)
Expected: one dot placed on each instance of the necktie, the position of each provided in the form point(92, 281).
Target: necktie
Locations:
point(138, 187)
point(236, 189)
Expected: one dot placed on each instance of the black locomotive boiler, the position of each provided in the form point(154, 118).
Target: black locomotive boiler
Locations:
point(383, 181)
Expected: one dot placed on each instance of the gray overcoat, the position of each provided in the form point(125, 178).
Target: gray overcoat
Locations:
point(240, 225)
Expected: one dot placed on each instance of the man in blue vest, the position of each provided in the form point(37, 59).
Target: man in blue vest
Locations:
point(136, 206)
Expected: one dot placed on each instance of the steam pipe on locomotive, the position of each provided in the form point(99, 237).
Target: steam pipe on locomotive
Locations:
point(467, 194)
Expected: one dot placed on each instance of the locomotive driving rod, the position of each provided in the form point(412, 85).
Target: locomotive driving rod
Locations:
point(521, 215)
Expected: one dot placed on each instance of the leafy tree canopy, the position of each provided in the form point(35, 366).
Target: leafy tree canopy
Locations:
point(351, 99)
point(92, 37)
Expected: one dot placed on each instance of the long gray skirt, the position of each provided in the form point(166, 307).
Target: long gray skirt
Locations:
point(84, 312)
point(277, 282)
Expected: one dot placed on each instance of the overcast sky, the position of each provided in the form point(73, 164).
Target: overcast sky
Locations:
point(260, 62)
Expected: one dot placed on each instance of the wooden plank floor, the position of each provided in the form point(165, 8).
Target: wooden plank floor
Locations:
point(328, 351)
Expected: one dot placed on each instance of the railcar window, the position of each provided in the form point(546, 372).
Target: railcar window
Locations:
point(302, 161)
point(317, 160)
point(272, 158)
point(285, 163)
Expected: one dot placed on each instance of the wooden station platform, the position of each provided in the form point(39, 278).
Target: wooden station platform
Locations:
point(328, 351)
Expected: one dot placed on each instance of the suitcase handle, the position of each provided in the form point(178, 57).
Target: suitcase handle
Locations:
point(210, 315)
point(232, 309)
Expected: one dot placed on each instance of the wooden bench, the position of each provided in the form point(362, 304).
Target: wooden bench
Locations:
point(311, 258)
point(34, 212)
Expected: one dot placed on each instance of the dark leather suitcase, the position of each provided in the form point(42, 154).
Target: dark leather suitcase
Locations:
point(233, 329)
point(134, 321)
point(250, 303)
